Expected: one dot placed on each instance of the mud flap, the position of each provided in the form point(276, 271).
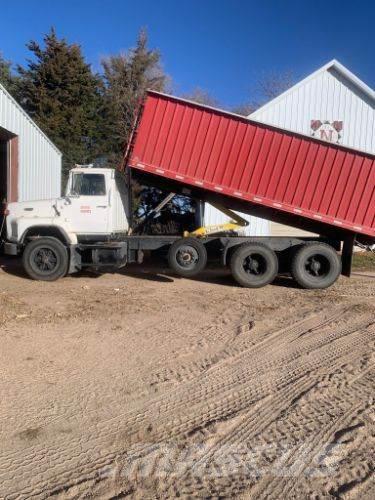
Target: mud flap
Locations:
point(75, 261)
point(347, 255)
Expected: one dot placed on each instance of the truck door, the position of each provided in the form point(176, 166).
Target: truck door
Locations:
point(90, 203)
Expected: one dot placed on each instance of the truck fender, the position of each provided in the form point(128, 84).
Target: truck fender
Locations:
point(54, 230)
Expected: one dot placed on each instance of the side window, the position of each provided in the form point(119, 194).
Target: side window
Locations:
point(88, 184)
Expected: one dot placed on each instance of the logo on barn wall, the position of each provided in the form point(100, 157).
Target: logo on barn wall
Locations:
point(326, 130)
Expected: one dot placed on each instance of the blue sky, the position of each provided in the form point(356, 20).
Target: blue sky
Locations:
point(222, 46)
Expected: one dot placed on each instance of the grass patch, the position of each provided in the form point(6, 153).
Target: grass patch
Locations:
point(364, 261)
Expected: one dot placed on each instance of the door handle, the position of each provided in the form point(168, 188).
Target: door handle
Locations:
point(101, 206)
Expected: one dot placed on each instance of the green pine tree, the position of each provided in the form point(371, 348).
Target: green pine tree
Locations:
point(60, 92)
point(7, 78)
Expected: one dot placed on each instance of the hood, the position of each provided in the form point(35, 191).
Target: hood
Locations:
point(38, 208)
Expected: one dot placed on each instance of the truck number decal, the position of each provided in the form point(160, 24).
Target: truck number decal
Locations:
point(85, 209)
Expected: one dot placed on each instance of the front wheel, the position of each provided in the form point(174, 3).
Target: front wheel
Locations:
point(316, 265)
point(45, 259)
point(187, 257)
point(254, 265)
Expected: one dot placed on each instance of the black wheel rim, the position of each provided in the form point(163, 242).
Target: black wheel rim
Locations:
point(317, 266)
point(187, 257)
point(44, 260)
point(255, 264)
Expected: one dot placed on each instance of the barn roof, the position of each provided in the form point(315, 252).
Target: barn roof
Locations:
point(27, 117)
point(331, 65)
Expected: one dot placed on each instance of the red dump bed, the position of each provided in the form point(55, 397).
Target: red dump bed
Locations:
point(225, 153)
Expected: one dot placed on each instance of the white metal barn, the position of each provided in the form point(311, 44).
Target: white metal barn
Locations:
point(30, 165)
point(331, 104)
point(257, 227)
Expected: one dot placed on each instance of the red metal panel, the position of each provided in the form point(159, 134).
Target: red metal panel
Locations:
point(222, 152)
point(296, 171)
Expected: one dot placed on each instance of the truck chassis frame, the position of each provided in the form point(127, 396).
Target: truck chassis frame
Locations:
point(131, 249)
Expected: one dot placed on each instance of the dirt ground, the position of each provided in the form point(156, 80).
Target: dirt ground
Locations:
point(146, 385)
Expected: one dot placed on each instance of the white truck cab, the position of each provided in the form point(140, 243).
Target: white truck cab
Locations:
point(95, 208)
point(98, 201)
point(95, 204)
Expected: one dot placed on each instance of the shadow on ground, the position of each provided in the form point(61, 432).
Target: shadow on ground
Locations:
point(155, 271)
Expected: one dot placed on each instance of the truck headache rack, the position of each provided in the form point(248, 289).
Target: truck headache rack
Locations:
point(257, 166)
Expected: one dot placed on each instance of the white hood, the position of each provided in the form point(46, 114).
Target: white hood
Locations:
point(32, 209)
point(23, 214)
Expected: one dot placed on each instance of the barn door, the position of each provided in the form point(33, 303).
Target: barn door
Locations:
point(8, 167)
point(13, 170)
point(4, 165)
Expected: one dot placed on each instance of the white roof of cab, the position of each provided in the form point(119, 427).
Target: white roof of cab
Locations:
point(86, 169)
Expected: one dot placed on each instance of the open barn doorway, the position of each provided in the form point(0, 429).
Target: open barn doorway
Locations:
point(8, 170)
point(4, 165)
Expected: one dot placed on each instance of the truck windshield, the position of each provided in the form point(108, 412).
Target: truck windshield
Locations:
point(88, 184)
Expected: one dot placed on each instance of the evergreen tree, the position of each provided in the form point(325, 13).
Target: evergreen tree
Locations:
point(60, 92)
point(7, 79)
point(127, 77)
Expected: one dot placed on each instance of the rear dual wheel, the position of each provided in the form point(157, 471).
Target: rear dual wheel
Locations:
point(316, 265)
point(254, 265)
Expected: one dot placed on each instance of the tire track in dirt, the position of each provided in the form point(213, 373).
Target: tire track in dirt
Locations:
point(201, 414)
point(117, 381)
point(85, 395)
point(185, 392)
point(253, 425)
point(246, 432)
point(218, 492)
point(276, 487)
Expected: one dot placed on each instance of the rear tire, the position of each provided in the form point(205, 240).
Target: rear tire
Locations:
point(187, 257)
point(45, 259)
point(254, 265)
point(316, 265)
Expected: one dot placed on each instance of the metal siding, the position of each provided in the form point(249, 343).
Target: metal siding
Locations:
point(305, 174)
point(256, 227)
point(39, 169)
point(328, 96)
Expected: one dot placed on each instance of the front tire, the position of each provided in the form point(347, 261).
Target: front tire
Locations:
point(254, 265)
point(316, 265)
point(45, 259)
point(187, 257)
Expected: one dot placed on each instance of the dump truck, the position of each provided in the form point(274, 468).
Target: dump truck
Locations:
point(225, 159)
